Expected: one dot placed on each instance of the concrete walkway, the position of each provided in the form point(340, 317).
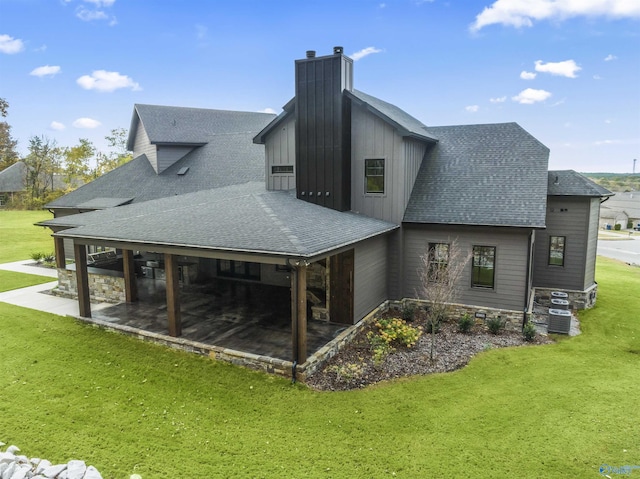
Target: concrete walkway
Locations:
point(37, 297)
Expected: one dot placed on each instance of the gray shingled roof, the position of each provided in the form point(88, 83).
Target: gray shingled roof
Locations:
point(228, 157)
point(242, 218)
point(398, 118)
point(491, 174)
point(571, 183)
point(408, 125)
point(12, 178)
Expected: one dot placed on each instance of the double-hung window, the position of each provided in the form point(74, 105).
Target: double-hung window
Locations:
point(556, 250)
point(374, 176)
point(483, 270)
point(438, 261)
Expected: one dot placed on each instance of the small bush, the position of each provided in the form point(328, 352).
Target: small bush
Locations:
point(529, 331)
point(465, 323)
point(408, 312)
point(37, 256)
point(629, 224)
point(392, 332)
point(347, 371)
point(495, 325)
point(433, 326)
point(617, 227)
point(48, 258)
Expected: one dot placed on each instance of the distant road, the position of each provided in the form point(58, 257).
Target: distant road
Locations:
point(627, 250)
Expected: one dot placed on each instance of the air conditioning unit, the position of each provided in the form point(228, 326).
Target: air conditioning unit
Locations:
point(559, 303)
point(559, 321)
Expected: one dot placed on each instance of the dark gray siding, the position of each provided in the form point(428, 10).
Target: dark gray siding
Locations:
point(142, 146)
point(592, 244)
point(370, 276)
point(395, 264)
point(168, 155)
point(569, 217)
point(510, 266)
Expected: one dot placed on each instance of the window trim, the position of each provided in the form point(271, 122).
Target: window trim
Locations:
point(476, 283)
point(563, 252)
point(366, 176)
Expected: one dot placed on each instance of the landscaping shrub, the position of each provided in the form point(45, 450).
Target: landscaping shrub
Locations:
point(48, 258)
point(529, 331)
point(617, 227)
point(496, 325)
point(390, 333)
point(37, 256)
point(465, 323)
point(408, 312)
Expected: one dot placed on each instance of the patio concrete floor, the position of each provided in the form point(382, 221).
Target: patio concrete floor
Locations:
point(246, 317)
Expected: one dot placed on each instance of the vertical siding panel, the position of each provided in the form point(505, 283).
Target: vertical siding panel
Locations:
point(142, 146)
point(370, 276)
point(280, 151)
point(592, 245)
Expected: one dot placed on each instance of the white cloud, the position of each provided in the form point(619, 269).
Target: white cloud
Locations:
point(103, 80)
point(607, 121)
point(530, 96)
point(525, 75)
point(472, 108)
point(364, 52)
point(10, 45)
point(597, 77)
point(101, 3)
point(610, 57)
point(47, 70)
point(500, 99)
point(567, 68)
point(87, 15)
point(56, 125)
point(86, 123)
point(267, 110)
point(523, 13)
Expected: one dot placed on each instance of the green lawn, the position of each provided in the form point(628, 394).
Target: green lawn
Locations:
point(10, 280)
point(70, 390)
point(20, 238)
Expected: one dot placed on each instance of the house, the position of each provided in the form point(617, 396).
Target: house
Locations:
point(333, 201)
point(12, 181)
point(620, 209)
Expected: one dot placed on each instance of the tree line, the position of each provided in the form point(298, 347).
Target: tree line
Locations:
point(52, 170)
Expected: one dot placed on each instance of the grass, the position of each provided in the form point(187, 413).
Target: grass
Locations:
point(10, 280)
point(25, 238)
point(73, 391)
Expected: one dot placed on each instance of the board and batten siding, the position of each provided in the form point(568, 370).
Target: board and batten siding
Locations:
point(280, 150)
point(511, 273)
point(569, 217)
point(142, 146)
point(373, 138)
point(592, 244)
point(370, 276)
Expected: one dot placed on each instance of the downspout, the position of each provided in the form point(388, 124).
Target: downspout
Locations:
point(529, 282)
point(294, 317)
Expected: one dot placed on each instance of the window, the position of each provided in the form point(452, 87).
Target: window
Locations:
point(238, 269)
point(556, 250)
point(282, 169)
point(374, 176)
point(483, 270)
point(438, 261)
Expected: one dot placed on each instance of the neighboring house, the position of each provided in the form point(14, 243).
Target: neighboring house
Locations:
point(620, 209)
point(12, 182)
point(340, 186)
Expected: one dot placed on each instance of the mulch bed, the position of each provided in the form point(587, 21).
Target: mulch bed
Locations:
point(353, 367)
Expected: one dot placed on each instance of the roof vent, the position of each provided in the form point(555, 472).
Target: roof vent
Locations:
point(338, 50)
point(311, 53)
point(182, 171)
point(557, 182)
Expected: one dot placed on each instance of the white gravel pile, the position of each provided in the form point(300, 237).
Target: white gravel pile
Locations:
point(13, 466)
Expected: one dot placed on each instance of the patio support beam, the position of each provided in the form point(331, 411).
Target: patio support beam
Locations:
point(58, 244)
point(301, 313)
point(130, 283)
point(82, 278)
point(173, 295)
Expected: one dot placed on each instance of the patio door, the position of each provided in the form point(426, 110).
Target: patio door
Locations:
point(341, 285)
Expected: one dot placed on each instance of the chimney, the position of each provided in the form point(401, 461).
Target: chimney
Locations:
point(311, 53)
point(323, 129)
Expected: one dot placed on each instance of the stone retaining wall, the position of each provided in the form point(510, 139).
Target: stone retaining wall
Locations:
point(102, 288)
point(577, 299)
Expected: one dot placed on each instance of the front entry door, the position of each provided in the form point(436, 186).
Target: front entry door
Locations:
point(341, 286)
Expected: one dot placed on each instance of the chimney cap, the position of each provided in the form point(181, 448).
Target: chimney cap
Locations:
point(311, 53)
point(338, 50)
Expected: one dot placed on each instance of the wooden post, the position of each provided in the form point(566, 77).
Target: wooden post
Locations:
point(173, 295)
point(130, 282)
point(301, 338)
point(58, 244)
point(82, 279)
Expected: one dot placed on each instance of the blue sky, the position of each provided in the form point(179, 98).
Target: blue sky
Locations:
point(566, 71)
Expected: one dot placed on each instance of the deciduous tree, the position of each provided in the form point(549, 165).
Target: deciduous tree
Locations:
point(8, 154)
point(43, 162)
